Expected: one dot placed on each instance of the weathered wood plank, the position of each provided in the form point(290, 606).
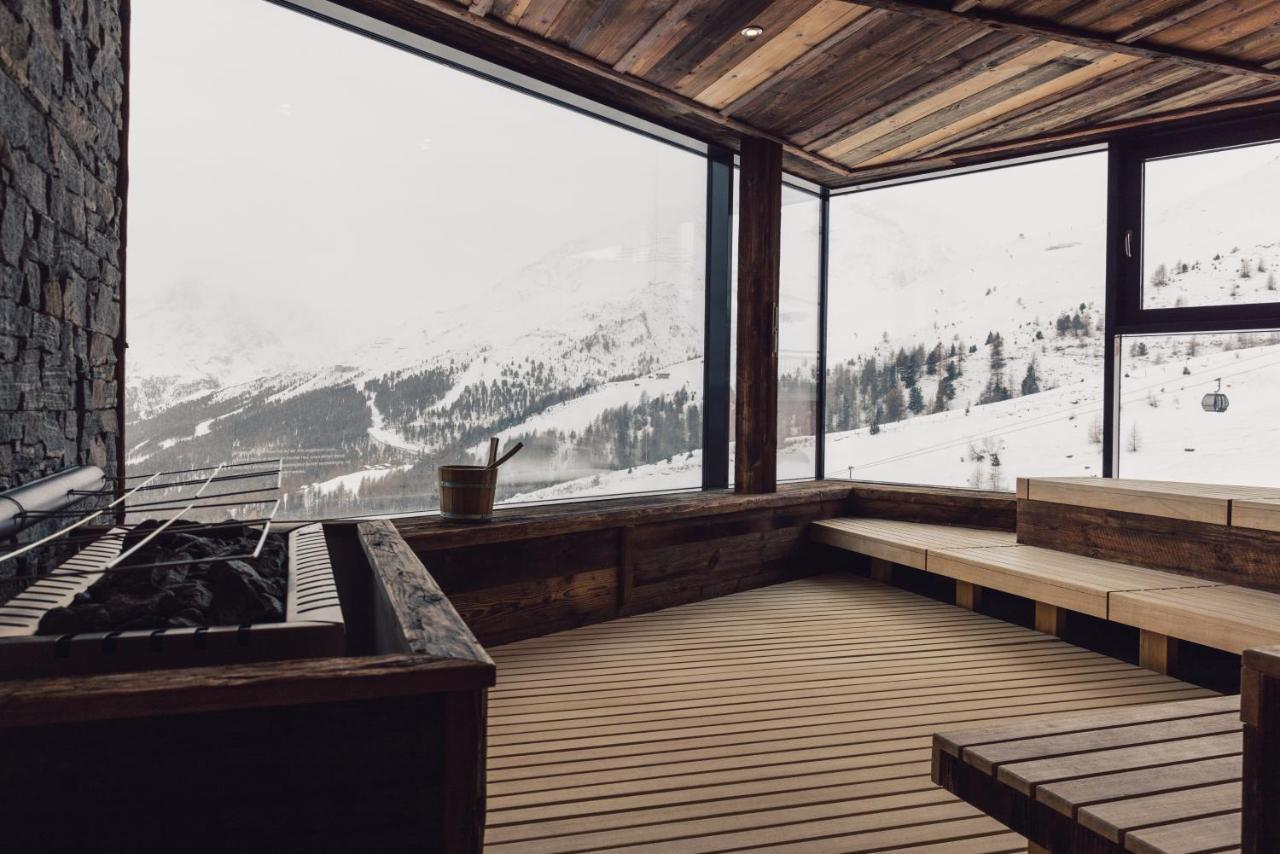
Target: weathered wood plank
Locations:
point(415, 610)
point(429, 533)
point(1208, 551)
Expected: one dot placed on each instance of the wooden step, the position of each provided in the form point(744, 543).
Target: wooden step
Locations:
point(1190, 502)
point(1061, 579)
point(1224, 617)
point(906, 543)
point(1227, 534)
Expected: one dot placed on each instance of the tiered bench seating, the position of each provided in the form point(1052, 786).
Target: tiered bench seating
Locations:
point(1161, 604)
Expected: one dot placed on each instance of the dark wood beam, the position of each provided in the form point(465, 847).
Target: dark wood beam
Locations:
point(944, 11)
point(759, 252)
point(489, 38)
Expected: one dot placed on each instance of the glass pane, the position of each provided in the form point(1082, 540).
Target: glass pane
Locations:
point(1212, 230)
point(800, 295)
point(1200, 407)
point(965, 327)
point(798, 316)
point(319, 272)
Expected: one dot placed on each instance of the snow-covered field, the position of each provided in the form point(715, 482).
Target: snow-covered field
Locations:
point(353, 481)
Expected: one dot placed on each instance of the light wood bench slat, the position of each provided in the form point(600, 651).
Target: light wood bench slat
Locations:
point(1069, 796)
point(906, 543)
point(1114, 820)
point(1026, 776)
point(987, 757)
point(1219, 834)
point(1262, 514)
point(1065, 580)
point(954, 742)
point(1223, 617)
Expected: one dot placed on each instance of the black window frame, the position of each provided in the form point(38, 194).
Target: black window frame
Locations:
point(1128, 160)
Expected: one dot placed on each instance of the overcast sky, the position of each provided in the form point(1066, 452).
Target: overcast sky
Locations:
point(276, 159)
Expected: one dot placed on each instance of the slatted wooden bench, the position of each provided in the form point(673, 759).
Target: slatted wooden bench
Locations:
point(1175, 778)
point(1151, 779)
point(1163, 605)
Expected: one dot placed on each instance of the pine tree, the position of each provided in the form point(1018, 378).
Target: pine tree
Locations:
point(1031, 382)
point(915, 400)
point(934, 360)
point(1160, 277)
point(894, 404)
point(1245, 272)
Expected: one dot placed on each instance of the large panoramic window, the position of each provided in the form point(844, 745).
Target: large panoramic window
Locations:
point(366, 263)
point(1211, 229)
point(1200, 407)
point(965, 327)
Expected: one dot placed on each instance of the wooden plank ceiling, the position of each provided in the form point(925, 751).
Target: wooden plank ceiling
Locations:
point(859, 91)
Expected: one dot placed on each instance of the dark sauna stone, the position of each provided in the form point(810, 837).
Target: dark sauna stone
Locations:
point(212, 592)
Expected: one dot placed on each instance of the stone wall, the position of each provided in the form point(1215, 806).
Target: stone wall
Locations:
point(61, 97)
point(62, 90)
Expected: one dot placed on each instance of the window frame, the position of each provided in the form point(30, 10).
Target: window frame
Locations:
point(1129, 158)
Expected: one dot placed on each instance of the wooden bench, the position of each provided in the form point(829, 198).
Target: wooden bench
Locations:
point(1088, 782)
point(1174, 778)
point(1190, 502)
point(1164, 606)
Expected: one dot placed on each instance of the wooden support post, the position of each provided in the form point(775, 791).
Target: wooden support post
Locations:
point(881, 570)
point(1260, 711)
point(759, 251)
point(1158, 652)
point(968, 595)
point(1050, 619)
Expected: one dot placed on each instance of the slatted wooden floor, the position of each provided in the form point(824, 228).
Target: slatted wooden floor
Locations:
point(791, 718)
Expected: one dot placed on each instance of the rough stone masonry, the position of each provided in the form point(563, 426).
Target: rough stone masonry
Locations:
point(62, 97)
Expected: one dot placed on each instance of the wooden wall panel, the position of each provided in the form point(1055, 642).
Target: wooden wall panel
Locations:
point(967, 507)
point(1216, 552)
point(524, 588)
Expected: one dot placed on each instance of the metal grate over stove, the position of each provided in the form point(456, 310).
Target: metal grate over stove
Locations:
point(129, 518)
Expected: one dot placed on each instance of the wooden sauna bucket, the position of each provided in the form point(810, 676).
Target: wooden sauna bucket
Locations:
point(466, 492)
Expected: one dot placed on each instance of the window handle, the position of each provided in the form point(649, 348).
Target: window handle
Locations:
point(1128, 243)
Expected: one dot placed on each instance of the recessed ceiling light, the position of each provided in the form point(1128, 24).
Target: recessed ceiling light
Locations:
point(753, 32)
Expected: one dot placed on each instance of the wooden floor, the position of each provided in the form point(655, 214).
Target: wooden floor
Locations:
point(791, 718)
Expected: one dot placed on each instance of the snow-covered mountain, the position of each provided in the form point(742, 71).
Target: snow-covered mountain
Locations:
point(586, 330)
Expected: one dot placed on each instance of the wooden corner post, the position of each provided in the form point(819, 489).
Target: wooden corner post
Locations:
point(759, 252)
point(1260, 710)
